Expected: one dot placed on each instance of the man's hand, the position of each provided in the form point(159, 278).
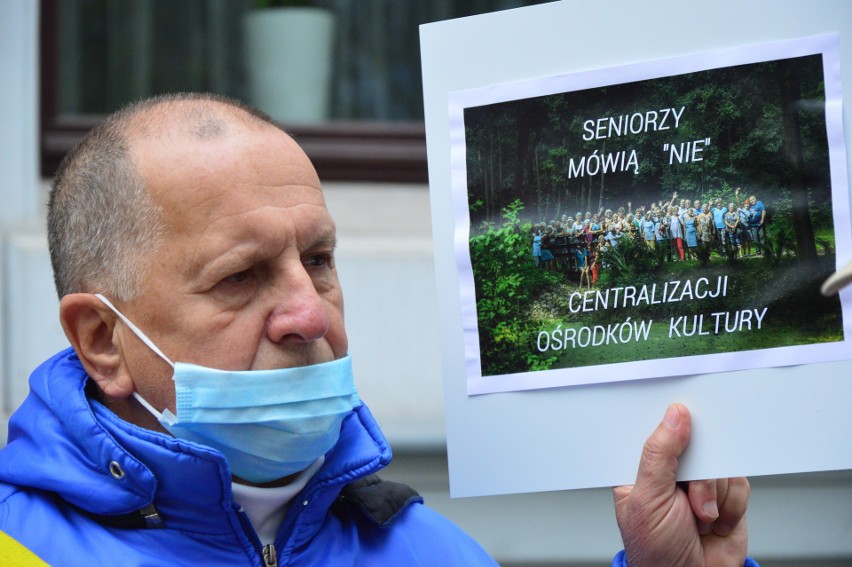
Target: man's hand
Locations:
point(667, 524)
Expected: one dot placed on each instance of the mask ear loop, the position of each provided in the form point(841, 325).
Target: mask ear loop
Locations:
point(150, 344)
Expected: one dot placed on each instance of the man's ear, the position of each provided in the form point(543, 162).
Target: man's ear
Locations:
point(90, 327)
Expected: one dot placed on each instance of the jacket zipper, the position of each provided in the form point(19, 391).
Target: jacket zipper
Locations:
point(268, 554)
point(296, 508)
point(270, 558)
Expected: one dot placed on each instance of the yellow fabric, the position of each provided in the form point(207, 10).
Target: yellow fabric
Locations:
point(13, 554)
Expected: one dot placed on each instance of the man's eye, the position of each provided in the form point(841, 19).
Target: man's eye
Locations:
point(238, 277)
point(319, 260)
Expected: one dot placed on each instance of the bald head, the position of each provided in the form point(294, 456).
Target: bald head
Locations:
point(103, 225)
point(193, 115)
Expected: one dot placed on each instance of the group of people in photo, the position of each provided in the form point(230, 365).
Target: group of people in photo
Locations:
point(679, 229)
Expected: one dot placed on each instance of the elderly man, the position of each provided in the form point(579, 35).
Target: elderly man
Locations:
point(718, 211)
point(757, 220)
point(206, 414)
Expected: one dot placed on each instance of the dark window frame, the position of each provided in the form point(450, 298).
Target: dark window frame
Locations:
point(340, 151)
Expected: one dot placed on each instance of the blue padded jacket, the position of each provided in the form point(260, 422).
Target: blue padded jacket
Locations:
point(81, 487)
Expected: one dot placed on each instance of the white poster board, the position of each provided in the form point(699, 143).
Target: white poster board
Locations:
point(557, 428)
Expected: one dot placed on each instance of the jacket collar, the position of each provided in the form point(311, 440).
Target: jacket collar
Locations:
point(61, 441)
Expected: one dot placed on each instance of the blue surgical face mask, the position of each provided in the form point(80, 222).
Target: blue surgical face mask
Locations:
point(268, 424)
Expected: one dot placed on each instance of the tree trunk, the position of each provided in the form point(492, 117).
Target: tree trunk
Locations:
point(538, 191)
point(790, 97)
point(489, 192)
point(601, 196)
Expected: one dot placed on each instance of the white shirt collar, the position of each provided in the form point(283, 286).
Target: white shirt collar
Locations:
point(266, 507)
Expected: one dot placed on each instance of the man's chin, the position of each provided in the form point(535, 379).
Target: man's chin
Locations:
point(272, 484)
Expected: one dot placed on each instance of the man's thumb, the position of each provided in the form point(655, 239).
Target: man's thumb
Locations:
point(658, 466)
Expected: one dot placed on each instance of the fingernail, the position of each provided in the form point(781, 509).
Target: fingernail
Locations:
point(711, 509)
point(672, 418)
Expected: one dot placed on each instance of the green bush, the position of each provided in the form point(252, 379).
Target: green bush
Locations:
point(507, 281)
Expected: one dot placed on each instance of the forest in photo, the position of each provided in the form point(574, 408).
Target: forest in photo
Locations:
point(709, 174)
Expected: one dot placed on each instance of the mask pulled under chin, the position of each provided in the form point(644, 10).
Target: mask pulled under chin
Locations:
point(268, 424)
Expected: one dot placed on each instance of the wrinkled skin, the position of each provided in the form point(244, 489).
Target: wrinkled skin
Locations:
point(665, 523)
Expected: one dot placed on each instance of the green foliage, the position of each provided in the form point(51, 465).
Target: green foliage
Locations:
point(703, 252)
point(732, 251)
point(780, 241)
point(521, 149)
point(507, 281)
point(516, 301)
point(826, 245)
point(630, 258)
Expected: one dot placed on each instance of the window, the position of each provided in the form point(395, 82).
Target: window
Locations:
point(100, 54)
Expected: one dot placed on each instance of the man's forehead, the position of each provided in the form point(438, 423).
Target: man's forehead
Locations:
point(205, 201)
point(209, 145)
point(184, 128)
point(223, 169)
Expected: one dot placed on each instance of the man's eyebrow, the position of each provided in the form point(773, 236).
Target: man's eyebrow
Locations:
point(327, 239)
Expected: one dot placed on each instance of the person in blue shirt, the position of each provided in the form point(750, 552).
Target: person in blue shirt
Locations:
point(582, 255)
point(676, 235)
point(536, 245)
point(661, 231)
point(744, 234)
point(206, 414)
point(719, 211)
point(690, 232)
point(612, 237)
point(648, 230)
point(758, 220)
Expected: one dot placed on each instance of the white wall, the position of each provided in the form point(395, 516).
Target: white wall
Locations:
point(20, 198)
point(385, 259)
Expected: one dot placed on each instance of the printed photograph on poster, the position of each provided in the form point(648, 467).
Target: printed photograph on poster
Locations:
point(663, 219)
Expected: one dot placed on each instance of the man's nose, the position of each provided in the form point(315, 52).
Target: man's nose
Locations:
point(299, 314)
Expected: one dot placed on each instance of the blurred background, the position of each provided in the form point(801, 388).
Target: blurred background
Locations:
point(344, 77)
